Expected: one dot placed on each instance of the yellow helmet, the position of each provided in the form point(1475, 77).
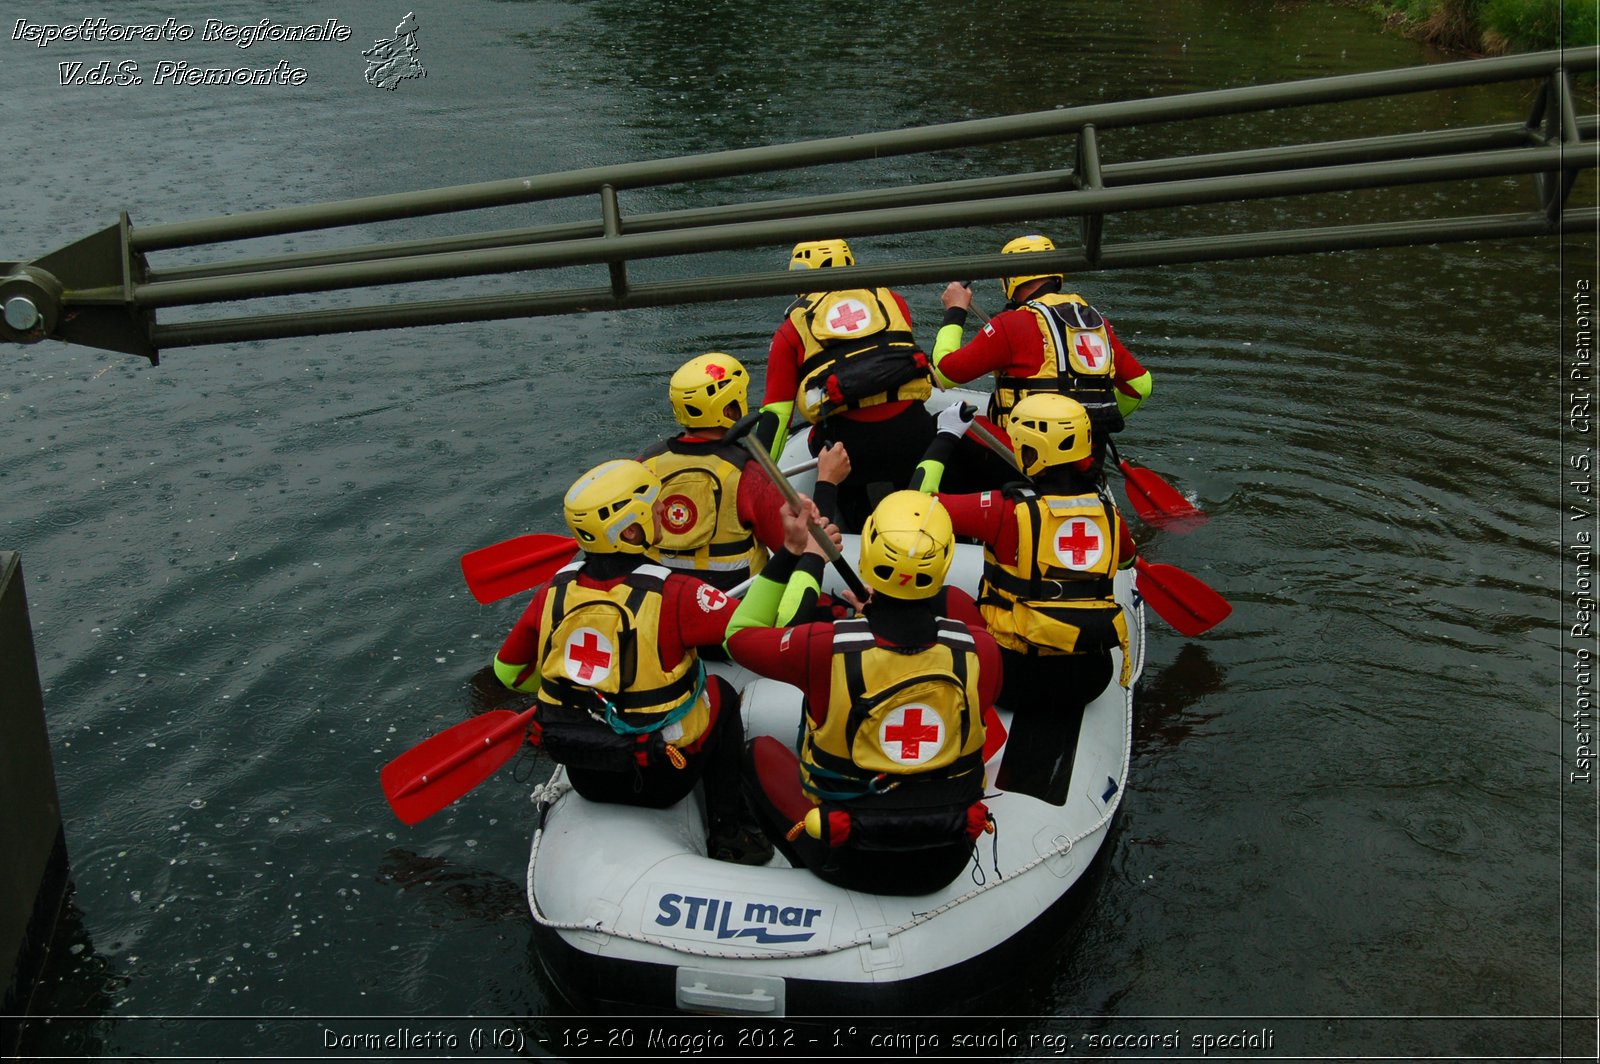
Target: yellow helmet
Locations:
point(704, 387)
point(815, 254)
point(1048, 429)
point(906, 546)
point(1031, 242)
point(609, 499)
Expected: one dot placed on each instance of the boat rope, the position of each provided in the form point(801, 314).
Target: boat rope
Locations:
point(557, 786)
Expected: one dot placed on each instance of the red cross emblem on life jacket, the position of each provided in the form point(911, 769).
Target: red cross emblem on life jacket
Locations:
point(1079, 543)
point(1090, 349)
point(848, 317)
point(588, 656)
point(678, 513)
point(912, 734)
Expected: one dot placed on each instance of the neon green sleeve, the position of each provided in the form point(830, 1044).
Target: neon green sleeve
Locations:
point(1141, 386)
point(784, 410)
point(945, 341)
point(507, 674)
point(759, 607)
point(929, 472)
point(800, 593)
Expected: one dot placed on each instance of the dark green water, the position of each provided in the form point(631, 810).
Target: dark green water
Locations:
point(1346, 817)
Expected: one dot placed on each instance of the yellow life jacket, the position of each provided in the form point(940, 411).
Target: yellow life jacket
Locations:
point(858, 352)
point(1077, 362)
point(895, 718)
point(701, 532)
point(1059, 597)
point(604, 698)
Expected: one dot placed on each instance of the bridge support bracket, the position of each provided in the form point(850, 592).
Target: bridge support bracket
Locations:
point(81, 294)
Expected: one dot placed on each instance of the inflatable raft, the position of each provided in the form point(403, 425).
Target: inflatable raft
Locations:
point(632, 915)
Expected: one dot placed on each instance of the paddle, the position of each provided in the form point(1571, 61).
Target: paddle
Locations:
point(437, 771)
point(1180, 598)
point(524, 562)
point(980, 431)
point(516, 565)
point(781, 482)
point(434, 773)
point(1156, 502)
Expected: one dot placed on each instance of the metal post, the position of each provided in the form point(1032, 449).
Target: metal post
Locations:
point(33, 873)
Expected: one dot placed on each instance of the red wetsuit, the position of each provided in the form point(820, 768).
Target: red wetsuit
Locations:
point(693, 614)
point(803, 655)
point(1012, 344)
point(990, 518)
point(786, 354)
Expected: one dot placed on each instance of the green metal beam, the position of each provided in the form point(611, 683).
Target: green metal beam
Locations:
point(1222, 164)
point(952, 135)
point(612, 248)
point(103, 292)
point(726, 288)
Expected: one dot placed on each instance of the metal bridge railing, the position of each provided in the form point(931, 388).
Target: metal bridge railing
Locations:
point(103, 292)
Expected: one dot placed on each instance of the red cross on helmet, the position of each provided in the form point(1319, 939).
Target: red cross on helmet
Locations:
point(705, 387)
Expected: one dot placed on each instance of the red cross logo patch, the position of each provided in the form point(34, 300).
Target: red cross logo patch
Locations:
point(848, 316)
point(912, 735)
point(588, 656)
point(1091, 350)
point(709, 599)
point(1079, 544)
point(678, 514)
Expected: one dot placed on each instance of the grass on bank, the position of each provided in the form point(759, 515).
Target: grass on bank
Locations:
point(1495, 27)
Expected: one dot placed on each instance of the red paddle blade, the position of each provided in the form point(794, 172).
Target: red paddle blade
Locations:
point(1181, 599)
point(431, 775)
point(1157, 502)
point(994, 734)
point(517, 565)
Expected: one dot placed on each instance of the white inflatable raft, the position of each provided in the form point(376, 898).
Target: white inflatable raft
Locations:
point(632, 915)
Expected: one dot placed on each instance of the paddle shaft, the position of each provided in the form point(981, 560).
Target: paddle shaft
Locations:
point(829, 551)
point(991, 441)
point(973, 308)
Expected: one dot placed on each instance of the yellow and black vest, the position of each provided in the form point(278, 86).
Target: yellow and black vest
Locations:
point(700, 528)
point(1077, 362)
point(604, 699)
point(898, 718)
point(858, 352)
point(1059, 597)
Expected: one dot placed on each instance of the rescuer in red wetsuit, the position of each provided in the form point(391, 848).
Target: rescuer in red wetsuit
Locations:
point(886, 793)
point(1044, 340)
point(608, 647)
point(721, 515)
point(1053, 544)
point(846, 358)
